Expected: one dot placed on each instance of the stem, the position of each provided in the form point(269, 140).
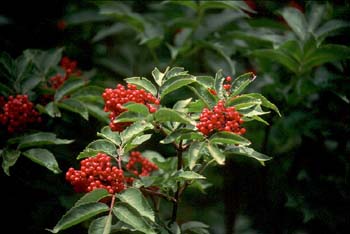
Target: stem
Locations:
point(179, 150)
point(158, 194)
point(112, 205)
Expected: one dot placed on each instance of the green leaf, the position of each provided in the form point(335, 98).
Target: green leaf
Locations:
point(296, 20)
point(252, 111)
point(329, 27)
point(166, 114)
point(88, 153)
point(216, 153)
point(97, 112)
point(103, 146)
point(241, 82)
point(218, 84)
point(134, 130)
point(137, 108)
point(174, 83)
point(142, 82)
point(182, 104)
point(134, 198)
point(39, 139)
point(158, 76)
point(108, 31)
point(204, 95)
point(9, 158)
point(327, 53)
point(44, 158)
point(101, 225)
point(75, 106)
point(68, 87)
point(264, 101)
point(85, 16)
point(110, 135)
point(52, 109)
point(79, 214)
point(279, 57)
point(249, 152)
point(293, 49)
point(131, 216)
point(175, 135)
point(93, 196)
point(128, 116)
point(228, 138)
point(191, 225)
point(194, 153)
point(30, 83)
point(140, 139)
point(189, 175)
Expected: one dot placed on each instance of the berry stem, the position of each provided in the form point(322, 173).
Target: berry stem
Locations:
point(179, 150)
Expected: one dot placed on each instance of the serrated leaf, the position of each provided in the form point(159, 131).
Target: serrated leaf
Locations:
point(246, 151)
point(216, 153)
point(133, 130)
point(52, 109)
point(202, 92)
point(174, 83)
point(173, 136)
point(190, 175)
point(241, 82)
point(9, 158)
point(103, 146)
point(44, 158)
point(88, 153)
point(137, 108)
point(158, 76)
point(194, 153)
point(79, 214)
point(74, 106)
point(182, 104)
point(228, 138)
point(68, 86)
point(218, 84)
point(39, 139)
point(129, 215)
point(128, 116)
point(166, 114)
point(264, 102)
point(93, 196)
point(140, 139)
point(101, 225)
point(252, 111)
point(110, 135)
point(135, 199)
point(143, 83)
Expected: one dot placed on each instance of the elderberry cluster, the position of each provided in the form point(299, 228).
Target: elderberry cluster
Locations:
point(17, 113)
point(115, 98)
point(139, 165)
point(221, 118)
point(70, 67)
point(96, 172)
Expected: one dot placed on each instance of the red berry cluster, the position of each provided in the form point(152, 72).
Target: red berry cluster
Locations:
point(221, 118)
point(96, 172)
point(115, 98)
point(70, 68)
point(139, 165)
point(227, 83)
point(17, 113)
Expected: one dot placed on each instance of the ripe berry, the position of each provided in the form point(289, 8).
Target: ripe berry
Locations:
point(115, 98)
point(18, 113)
point(139, 165)
point(220, 118)
point(96, 172)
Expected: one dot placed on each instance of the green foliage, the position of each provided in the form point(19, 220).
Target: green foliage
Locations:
point(296, 56)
